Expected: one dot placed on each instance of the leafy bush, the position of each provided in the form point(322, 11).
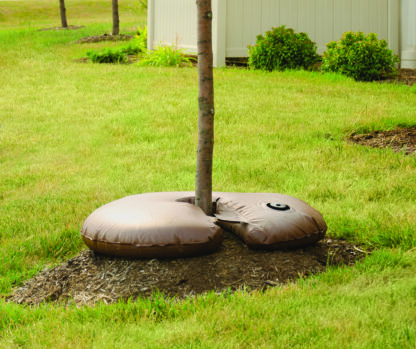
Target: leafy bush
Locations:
point(119, 55)
point(360, 56)
point(143, 4)
point(163, 56)
point(281, 48)
point(166, 56)
point(139, 44)
point(132, 48)
point(141, 38)
point(108, 56)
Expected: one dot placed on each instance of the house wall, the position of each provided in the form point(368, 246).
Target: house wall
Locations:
point(322, 20)
point(408, 34)
point(237, 22)
point(174, 22)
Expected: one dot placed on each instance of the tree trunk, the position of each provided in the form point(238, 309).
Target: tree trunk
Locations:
point(116, 20)
point(63, 13)
point(203, 180)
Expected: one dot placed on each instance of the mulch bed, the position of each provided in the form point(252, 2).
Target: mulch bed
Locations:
point(89, 278)
point(70, 27)
point(405, 76)
point(400, 140)
point(104, 37)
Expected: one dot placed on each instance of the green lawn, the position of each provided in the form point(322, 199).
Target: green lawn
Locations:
point(74, 136)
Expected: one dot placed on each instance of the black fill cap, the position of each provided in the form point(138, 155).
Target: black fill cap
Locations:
point(278, 207)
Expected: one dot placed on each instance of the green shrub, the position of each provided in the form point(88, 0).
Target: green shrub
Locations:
point(166, 56)
point(132, 48)
point(138, 44)
point(141, 38)
point(360, 56)
point(143, 4)
point(119, 55)
point(281, 48)
point(108, 55)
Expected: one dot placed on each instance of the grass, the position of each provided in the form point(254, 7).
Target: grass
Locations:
point(74, 136)
point(45, 13)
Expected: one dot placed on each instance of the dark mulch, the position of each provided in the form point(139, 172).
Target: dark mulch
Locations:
point(399, 139)
point(89, 278)
point(104, 37)
point(405, 76)
point(70, 27)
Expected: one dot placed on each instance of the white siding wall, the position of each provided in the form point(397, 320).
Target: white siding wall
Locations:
point(173, 22)
point(238, 22)
point(322, 20)
point(408, 42)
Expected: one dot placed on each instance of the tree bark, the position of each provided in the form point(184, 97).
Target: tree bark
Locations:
point(116, 20)
point(63, 13)
point(203, 179)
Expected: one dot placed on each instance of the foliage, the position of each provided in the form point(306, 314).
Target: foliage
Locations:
point(119, 55)
point(108, 55)
point(167, 56)
point(281, 48)
point(133, 48)
point(143, 4)
point(141, 38)
point(363, 57)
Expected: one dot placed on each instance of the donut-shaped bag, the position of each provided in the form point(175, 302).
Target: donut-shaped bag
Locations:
point(168, 224)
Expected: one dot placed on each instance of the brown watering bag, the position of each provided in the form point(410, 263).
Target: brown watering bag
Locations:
point(168, 224)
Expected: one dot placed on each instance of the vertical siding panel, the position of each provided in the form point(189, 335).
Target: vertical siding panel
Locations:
point(343, 18)
point(269, 15)
point(252, 22)
point(395, 27)
point(160, 16)
point(158, 24)
point(235, 23)
point(381, 27)
point(219, 44)
point(370, 16)
point(176, 28)
point(168, 30)
point(355, 15)
point(192, 26)
point(324, 23)
point(289, 13)
point(365, 22)
point(306, 18)
point(150, 24)
point(185, 32)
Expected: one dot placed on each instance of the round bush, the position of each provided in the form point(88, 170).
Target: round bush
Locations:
point(363, 57)
point(108, 55)
point(281, 48)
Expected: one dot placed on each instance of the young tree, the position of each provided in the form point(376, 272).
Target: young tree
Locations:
point(203, 180)
point(116, 20)
point(63, 13)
